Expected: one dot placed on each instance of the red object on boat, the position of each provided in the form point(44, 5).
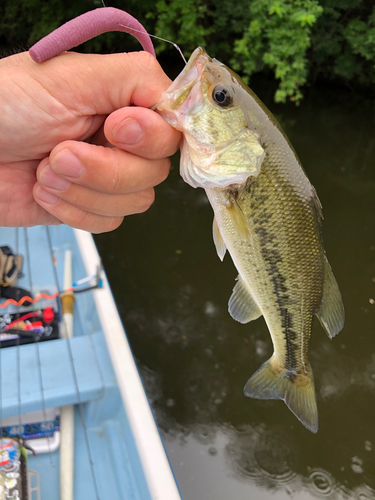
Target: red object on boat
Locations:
point(48, 315)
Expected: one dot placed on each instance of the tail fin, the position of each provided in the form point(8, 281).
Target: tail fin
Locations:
point(297, 390)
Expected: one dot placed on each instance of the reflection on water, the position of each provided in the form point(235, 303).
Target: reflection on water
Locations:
point(269, 459)
point(273, 460)
point(320, 483)
point(252, 462)
point(172, 292)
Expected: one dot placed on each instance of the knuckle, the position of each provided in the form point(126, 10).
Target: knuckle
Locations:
point(147, 61)
point(106, 176)
point(80, 220)
point(115, 223)
point(106, 224)
point(74, 217)
point(167, 142)
point(97, 224)
point(163, 145)
point(145, 199)
point(164, 169)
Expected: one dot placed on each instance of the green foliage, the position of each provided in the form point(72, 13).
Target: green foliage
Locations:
point(182, 22)
point(361, 39)
point(278, 36)
point(344, 42)
point(297, 40)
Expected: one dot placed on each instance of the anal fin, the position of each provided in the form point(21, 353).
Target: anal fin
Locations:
point(331, 312)
point(242, 307)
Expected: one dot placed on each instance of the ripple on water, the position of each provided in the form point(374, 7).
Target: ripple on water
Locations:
point(274, 464)
point(320, 483)
point(267, 459)
point(356, 465)
point(204, 435)
point(363, 492)
point(368, 446)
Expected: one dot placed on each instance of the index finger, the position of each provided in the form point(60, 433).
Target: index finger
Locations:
point(94, 84)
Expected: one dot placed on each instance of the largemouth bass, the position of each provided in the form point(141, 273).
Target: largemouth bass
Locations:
point(268, 216)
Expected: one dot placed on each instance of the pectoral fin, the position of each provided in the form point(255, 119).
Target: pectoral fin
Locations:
point(221, 247)
point(238, 220)
point(242, 307)
point(331, 312)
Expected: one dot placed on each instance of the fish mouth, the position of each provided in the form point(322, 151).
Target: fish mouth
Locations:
point(192, 70)
point(179, 97)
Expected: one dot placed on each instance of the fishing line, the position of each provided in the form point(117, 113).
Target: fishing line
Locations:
point(40, 374)
point(75, 378)
point(159, 38)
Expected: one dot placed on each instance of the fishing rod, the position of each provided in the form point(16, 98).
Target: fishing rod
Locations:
point(74, 288)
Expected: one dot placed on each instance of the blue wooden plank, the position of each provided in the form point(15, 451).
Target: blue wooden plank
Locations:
point(93, 372)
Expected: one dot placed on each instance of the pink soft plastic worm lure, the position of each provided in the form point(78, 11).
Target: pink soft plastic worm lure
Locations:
point(87, 26)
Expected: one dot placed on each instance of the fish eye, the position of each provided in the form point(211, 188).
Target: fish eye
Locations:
point(222, 95)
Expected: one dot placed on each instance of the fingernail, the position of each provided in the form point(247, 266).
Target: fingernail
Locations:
point(49, 179)
point(128, 132)
point(46, 197)
point(66, 163)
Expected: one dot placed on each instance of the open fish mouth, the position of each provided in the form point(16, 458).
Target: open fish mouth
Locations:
point(191, 71)
point(181, 96)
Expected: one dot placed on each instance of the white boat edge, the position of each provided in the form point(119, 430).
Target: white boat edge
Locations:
point(157, 470)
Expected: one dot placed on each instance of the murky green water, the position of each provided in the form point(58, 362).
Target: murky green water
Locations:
point(172, 292)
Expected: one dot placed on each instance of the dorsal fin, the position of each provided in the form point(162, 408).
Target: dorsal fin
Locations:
point(331, 312)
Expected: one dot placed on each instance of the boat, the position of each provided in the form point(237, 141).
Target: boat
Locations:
point(76, 422)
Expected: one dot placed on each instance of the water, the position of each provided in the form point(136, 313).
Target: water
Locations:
point(172, 292)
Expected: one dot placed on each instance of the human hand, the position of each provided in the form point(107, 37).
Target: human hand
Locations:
point(77, 142)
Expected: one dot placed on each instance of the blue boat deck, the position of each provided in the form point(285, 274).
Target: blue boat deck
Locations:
point(76, 371)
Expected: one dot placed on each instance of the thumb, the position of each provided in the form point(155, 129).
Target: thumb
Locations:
point(100, 84)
